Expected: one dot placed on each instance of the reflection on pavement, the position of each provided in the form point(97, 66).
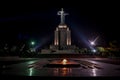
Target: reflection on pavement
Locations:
point(30, 71)
point(62, 71)
point(93, 72)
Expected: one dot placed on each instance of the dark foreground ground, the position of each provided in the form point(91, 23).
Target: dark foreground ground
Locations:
point(90, 66)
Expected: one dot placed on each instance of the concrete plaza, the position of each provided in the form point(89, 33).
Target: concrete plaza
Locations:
point(90, 67)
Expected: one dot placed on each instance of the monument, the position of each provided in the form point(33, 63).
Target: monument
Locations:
point(62, 35)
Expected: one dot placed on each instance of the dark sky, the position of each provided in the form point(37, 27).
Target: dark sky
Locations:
point(38, 20)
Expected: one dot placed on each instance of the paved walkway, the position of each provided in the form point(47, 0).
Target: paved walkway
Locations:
point(90, 67)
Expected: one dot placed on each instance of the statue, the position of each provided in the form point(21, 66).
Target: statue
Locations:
point(62, 14)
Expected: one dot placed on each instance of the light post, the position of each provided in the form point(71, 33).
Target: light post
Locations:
point(32, 49)
point(93, 44)
point(32, 43)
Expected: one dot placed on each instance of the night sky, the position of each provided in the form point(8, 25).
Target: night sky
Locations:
point(38, 21)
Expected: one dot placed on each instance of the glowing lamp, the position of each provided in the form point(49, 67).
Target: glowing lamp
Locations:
point(32, 43)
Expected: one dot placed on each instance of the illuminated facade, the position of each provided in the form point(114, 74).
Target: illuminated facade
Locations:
point(62, 37)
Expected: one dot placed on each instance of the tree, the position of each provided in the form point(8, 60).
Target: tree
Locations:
point(114, 48)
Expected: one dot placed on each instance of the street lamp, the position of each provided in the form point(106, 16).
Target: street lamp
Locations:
point(32, 43)
point(32, 46)
point(92, 43)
